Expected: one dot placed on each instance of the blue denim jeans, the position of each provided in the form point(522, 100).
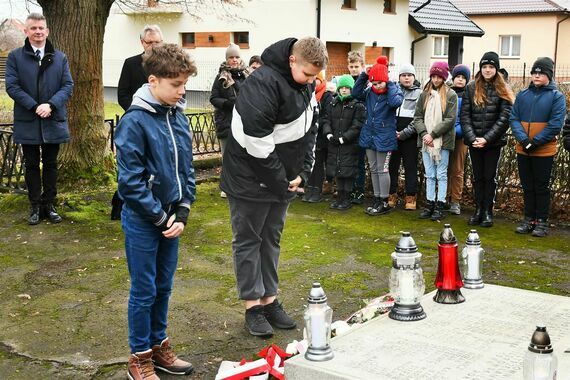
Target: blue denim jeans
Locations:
point(436, 173)
point(151, 259)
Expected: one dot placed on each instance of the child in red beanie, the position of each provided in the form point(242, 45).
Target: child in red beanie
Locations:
point(378, 135)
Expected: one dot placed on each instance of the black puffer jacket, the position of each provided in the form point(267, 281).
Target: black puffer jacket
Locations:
point(324, 108)
point(223, 99)
point(566, 133)
point(490, 122)
point(344, 120)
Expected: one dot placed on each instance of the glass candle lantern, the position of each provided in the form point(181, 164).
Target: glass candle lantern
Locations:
point(318, 320)
point(540, 363)
point(407, 284)
point(472, 261)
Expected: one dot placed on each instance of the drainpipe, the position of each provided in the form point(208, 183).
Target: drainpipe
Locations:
point(318, 18)
point(421, 6)
point(413, 45)
point(556, 40)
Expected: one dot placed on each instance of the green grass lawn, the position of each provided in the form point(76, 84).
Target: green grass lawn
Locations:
point(75, 275)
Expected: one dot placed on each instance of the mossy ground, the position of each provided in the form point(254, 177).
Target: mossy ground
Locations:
point(73, 325)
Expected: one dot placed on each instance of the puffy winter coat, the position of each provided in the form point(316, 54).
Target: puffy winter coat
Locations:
point(273, 135)
point(154, 157)
point(405, 113)
point(490, 121)
point(344, 120)
point(445, 129)
point(324, 107)
point(538, 114)
point(379, 130)
point(223, 99)
point(30, 84)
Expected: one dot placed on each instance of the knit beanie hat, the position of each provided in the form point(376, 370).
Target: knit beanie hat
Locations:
point(233, 50)
point(461, 70)
point(543, 65)
point(379, 72)
point(407, 68)
point(345, 81)
point(439, 68)
point(490, 58)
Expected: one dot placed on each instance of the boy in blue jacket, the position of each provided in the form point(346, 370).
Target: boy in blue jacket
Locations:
point(536, 120)
point(156, 182)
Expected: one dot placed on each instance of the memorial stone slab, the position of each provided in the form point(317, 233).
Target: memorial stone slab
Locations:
point(483, 338)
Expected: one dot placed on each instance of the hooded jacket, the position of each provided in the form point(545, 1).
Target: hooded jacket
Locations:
point(31, 83)
point(379, 131)
point(154, 157)
point(273, 135)
point(538, 114)
point(445, 129)
point(405, 113)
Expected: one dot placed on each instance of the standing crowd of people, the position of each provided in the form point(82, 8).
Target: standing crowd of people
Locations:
point(281, 127)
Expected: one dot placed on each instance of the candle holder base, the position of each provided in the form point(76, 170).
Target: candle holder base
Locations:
point(449, 296)
point(473, 284)
point(407, 313)
point(319, 354)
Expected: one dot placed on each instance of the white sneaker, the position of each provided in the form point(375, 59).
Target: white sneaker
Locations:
point(223, 194)
point(455, 208)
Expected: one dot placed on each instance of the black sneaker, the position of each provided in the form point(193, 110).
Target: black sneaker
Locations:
point(256, 323)
point(35, 216)
point(52, 214)
point(357, 197)
point(277, 316)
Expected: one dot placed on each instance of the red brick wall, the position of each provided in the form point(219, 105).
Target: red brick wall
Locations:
point(338, 52)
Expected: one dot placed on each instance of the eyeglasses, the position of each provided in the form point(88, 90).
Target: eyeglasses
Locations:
point(151, 42)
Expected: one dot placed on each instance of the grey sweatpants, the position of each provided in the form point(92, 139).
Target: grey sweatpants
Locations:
point(379, 163)
point(257, 229)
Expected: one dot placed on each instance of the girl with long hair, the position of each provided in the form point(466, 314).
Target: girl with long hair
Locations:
point(485, 112)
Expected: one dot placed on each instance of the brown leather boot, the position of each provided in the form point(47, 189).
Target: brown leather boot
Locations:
point(410, 202)
point(166, 360)
point(393, 200)
point(140, 366)
point(327, 187)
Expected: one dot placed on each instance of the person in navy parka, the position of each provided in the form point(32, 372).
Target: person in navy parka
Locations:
point(39, 81)
point(378, 135)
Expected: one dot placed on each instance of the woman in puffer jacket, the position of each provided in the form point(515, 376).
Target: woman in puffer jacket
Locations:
point(485, 112)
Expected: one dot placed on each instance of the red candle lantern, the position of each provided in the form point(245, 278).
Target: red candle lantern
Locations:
point(448, 280)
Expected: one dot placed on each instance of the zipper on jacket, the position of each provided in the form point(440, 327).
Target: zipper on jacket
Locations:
point(175, 154)
point(531, 112)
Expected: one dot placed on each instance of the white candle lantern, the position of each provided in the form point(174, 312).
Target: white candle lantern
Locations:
point(318, 319)
point(472, 262)
point(407, 284)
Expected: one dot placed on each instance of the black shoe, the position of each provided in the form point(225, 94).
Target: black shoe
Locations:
point(541, 229)
point(377, 204)
point(308, 194)
point(438, 213)
point(344, 205)
point(476, 217)
point(35, 216)
point(315, 196)
point(256, 323)
point(275, 315)
point(526, 226)
point(382, 208)
point(357, 197)
point(52, 214)
point(428, 210)
point(334, 205)
point(487, 219)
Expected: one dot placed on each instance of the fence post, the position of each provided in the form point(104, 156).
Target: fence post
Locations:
point(473, 70)
point(524, 73)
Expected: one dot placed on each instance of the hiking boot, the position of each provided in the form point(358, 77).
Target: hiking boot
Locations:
point(381, 208)
point(35, 217)
point(275, 315)
point(52, 214)
point(475, 219)
point(256, 323)
point(541, 228)
point(428, 210)
point(438, 212)
point(454, 208)
point(410, 202)
point(327, 187)
point(357, 196)
point(487, 218)
point(393, 200)
point(166, 360)
point(140, 366)
point(526, 226)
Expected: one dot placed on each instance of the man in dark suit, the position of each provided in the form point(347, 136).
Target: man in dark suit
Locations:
point(132, 74)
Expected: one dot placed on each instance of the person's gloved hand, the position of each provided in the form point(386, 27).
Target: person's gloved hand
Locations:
point(528, 145)
point(181, 214)
point(229, 104)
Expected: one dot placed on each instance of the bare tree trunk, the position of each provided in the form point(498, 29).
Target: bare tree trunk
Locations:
point(77, 28)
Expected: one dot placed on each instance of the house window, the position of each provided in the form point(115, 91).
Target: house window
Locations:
point(510, 46)
point(348, 4)
point(241, 39)
point(389, 6)
point(188, 40)
point(440, 46)
point(387, 51)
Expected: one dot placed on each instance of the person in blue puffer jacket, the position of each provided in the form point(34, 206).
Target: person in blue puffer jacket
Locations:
point(455, 172)
point(157, 185)
point(378, 135)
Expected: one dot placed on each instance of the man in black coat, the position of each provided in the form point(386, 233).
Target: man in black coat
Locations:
point(132, 74)
point(39, 81)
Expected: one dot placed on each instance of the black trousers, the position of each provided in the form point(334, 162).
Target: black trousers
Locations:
point(318, 174)
point(535, 173)
point(344, 184)
point(35, 178)
point(408, 153)
point(484, 163)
